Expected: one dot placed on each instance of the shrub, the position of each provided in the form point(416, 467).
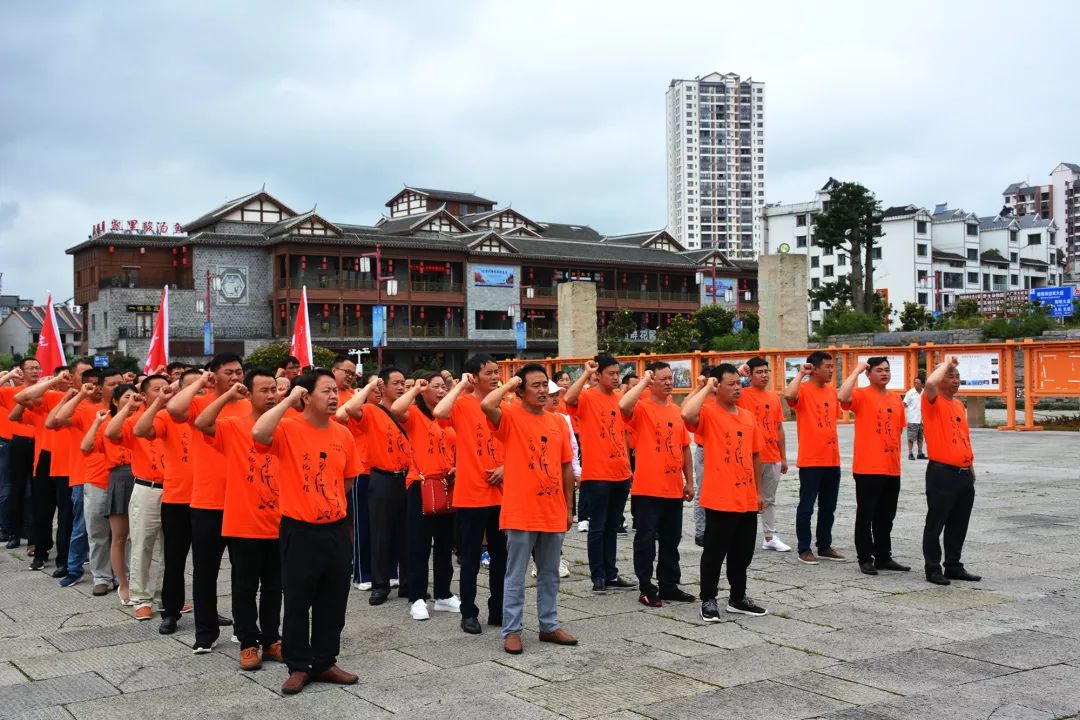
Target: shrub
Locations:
point(272, 355)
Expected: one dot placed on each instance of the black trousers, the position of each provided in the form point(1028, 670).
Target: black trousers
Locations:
point(474, 524)
point(730, 535)
point(606, 501)
point(425, 533)
point(20, 472)
point(207, 547)
point(256, 591)
point(875, 510)
point(316, 561)
point(950, 495)
point(386, 517)
point(50, 496)
point(176, 529)
point(658, 520)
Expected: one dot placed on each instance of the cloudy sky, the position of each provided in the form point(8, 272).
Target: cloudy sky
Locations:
point(160, 111)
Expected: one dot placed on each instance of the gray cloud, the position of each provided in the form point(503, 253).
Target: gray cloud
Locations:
point(159, 112)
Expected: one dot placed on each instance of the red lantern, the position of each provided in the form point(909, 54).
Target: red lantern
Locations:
point(356, 264)
point(600, 279)
point(112, 249)
point(174, 251)
point(183, 261)
point(504, 316)
point(174, 263)
point(481, 316)
point(390, 266)
point(391, 312)
point(421, 313)
point(448, 313)
point(283, 311)
point(323, 264)
point(646, 318)
point(624, 278)
point(666, 279)
point(325, 310)
point(357, 311)
point(530, 274)
point(303, 262)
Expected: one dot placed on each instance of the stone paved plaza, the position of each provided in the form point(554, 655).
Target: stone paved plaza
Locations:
point(837, 644)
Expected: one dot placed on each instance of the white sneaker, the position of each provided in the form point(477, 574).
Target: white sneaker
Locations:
point(533, 573)
point(776, 544)
point(365, 586)
point(583, 526)
point(450, 604)
point(394, 583)
point(564, 571)
point(418, 610)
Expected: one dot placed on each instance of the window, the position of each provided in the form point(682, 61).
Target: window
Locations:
point(800, 221)
point(877, 253)
point(492, 320)
point(972, 230)
point(827, 251)
point(105, 320)
point(1034, 239)
point(815, 282)
point(973, 254)
point(492, 245)
point(815, 261)
point(973, 278)
point(1014, 280)
point(815, 305)
point(800, 241)
point(1013, 257)
point(923, 297)
point(1013, 236)
point(922, 249)
point(93, 322)
point(827, 271)
point(841, 259)
point(920, 227)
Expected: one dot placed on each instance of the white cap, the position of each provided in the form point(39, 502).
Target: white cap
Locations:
point(553, 388)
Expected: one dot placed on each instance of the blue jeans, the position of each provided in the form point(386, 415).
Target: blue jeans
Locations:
point(606, 500)
point(5, 485)
point(819, 485)
point(546, 549)
point(79, 549)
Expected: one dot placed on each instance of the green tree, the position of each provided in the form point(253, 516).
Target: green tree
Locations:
point(1030, 320)
point(750, 321)
point(713, 321)
point(833, 295)
point(615, 337)
point(965, 308)
point(123, 362)
point(271, 356)
point(851, 222)
point(915, 317)
point(680, 336)
point(845, 321)
point(6, 361)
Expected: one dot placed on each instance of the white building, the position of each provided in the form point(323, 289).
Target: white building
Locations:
point(926, 258)
point(1057, 201)
point(716, 163)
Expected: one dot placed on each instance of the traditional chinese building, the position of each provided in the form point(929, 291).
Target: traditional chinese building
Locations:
point(454, 270)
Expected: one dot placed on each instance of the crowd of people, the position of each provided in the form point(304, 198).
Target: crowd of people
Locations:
point(317, 481)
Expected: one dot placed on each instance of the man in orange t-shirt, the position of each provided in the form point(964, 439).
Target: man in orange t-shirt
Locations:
point(879, 423)
point(663, 478)
point(251, 518)
point(950, 474)
point(765, 405)
point(175, 440)
point(813, 396)
point(733, 442)
point(477, 488)
point(207, 493)
point(389, 456)
point(605, 465)
point(317, 467)
point(536, 509)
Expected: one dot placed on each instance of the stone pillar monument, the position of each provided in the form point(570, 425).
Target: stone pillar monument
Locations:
point(782, 301)
point(577, 319)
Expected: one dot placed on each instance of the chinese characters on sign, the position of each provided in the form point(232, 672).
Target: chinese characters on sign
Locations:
point(133, 227)
point(143, 308)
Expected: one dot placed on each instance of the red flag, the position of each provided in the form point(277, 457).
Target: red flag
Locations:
point(301, 338)
point(50, 349)
point(158, 355)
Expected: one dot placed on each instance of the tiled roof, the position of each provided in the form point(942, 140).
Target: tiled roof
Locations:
point(995, 222)
point(34, 318)
point(451, 196)
point(571, 232)
point(899, 210)
point(225, 208)
point(943, 255)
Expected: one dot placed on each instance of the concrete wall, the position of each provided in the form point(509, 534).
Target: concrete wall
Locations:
point(577, 319)
point(782, 299)
point(489, 299)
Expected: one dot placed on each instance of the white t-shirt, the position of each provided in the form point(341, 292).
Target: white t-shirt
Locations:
point(913, 406)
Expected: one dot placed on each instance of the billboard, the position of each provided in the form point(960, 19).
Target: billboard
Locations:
point(493, 276)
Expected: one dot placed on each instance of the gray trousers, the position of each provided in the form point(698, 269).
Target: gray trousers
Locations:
point(95, 507)
point(699, 472)
point(546, 549)
point(770, 479)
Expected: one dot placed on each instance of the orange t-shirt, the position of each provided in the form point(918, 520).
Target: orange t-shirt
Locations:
point(536, 447)
point(945, 427)
point(767, 413)
point(660, 437)
point(879, 424)
point(478, 451)
point(387, 448)
point(730, 441)
point(602, 436)
point(432, 446)
point(251, 492)
point(816, 412)
point(9, 428)
point(314, 463)
point(81, 420)
point(116, 454)
point(146, 460)
point(175, 439)
point(94, 464)
point(208, 470)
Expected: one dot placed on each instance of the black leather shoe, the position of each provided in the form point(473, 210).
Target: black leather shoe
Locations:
point(378, 597)
point(867, 568)
point(168, 625)
point(619, 584)
point(891, 564)
point(599, 587)
point(471, 625)
point(937, 578)
point(223, 621)
point(963, 574)
point(676, 595)
point(59, 573)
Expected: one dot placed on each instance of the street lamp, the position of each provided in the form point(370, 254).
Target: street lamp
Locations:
point(391, 289)
point(213, 282)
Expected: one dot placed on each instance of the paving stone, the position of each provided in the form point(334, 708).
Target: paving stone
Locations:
point(173, 671)
point(22, 648)
point(748, 664)
point(607, 691)
point(207, 699)
point(145, 652)
point(837, 689)
point(915, 671)
point(861, 642)
point(492, 706)
point(1023, 650)
point(384, 665)
point(11, 675)
point(555, 663)
point(675, 644)
point(56, 712)
point(443, 686)
point(82, 639)
point(764, 700)
point(333, 703)
point(42, 694)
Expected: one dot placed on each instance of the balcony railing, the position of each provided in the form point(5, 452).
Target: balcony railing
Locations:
point(627, 294)
point(678, 296)
point(146, 283)
point(536, 332)
point(439, 286)
point(437, 331)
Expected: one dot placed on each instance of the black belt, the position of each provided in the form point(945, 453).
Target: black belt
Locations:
point(392, 473)
point(147, 483)
point(953, 468)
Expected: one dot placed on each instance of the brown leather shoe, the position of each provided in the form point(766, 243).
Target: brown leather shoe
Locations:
point(830, 554)
point(512, 644)
point(295, 683)
point(559, 637)
point(249, 658)
point(100, 590)
point(272, 653)
point(336, 675)
point(807, 558)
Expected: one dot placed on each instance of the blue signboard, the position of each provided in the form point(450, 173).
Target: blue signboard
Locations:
point(1060, 299)
point(519, 333)
point(207, 338)
point(719, 288)
point(101, 361)
point(493, 275)
point(378, 326)
point(738, 325)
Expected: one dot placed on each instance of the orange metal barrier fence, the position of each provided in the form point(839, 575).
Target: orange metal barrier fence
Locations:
point(1052, 369)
